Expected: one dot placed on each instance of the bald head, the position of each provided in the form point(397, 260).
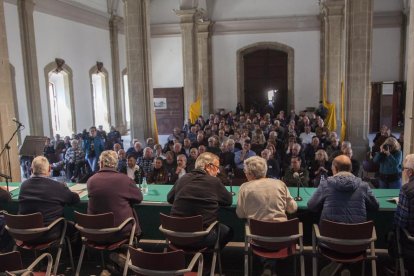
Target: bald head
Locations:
point(341, 163)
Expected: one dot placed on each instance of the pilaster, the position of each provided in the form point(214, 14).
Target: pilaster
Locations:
point(120, 123)
point(333, 12)
point(205, 66)
point(137, 30)
point(190, 56)
point(7, 126)
point(31, 75)
point(409, 102)
point(358, 79)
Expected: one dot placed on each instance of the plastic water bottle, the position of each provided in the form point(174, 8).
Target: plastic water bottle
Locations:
point(144, 186)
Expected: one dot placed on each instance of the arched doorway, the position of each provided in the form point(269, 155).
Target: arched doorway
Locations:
point(265, 77)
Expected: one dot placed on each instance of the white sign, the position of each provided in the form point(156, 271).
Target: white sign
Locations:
point(160, 103)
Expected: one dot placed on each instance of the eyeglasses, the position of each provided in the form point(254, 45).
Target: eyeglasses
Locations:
point(215, 166)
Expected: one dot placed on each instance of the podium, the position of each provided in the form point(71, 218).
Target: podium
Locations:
point(33, 146)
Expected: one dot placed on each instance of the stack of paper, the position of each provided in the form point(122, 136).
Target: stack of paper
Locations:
point(80, 189)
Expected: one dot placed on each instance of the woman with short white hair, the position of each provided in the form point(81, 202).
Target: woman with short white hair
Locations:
point(263, 198)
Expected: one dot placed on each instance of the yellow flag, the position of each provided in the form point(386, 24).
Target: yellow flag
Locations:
point(343, 123)
point(155, 129)
point(330, 120)
point(195, 110)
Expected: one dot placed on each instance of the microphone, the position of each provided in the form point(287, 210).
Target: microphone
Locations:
point(298, 183)
point(17, 122)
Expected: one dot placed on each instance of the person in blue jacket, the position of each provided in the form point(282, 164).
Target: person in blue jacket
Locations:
point(93, 147)
point(389, 159)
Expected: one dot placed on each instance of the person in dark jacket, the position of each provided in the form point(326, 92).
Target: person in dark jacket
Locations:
point(111, 191)
point(92, 147)
point(47, 196)
point(343, 197)
point(202, 193)
point(389, 159)
point(5, 240)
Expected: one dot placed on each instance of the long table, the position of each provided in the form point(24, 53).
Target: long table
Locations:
point(155, 202)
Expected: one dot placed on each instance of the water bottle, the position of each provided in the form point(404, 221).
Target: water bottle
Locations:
point(144, 186)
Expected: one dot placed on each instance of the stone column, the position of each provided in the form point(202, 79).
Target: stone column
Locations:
point(358, 79)
point(334, 36)
point(409, 101)
point(31, 76)
point(120, 123)
point(205, 70)
point(190, 55)
point(137, 30)
point(7, 126)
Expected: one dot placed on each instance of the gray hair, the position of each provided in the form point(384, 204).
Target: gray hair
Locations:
point(40, 166)
point(108, 159)
point(409, 162)
point(204, 159)
point(255, 166)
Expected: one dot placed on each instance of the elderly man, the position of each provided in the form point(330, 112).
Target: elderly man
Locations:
point(136, 150)
point(343, 197)
point(273, 166)
point(146, 162)
point(243, 154)
point(404, 215)
point(200, 192)
point(111, 191)
point(74, 160)
point(47, 196)
point(132, 170)
point(181, 168)
point(254, 195)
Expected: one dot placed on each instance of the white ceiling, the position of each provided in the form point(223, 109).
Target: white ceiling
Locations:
point(162, 11)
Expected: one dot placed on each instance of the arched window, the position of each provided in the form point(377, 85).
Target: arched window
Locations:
point(60, 98)
point(126, 97)
point(100, 97)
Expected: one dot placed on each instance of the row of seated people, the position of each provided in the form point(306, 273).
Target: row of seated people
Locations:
point(342, 197)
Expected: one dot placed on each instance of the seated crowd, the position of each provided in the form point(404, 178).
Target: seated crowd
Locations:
point(265, 154)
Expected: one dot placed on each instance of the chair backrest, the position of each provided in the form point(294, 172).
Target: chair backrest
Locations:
point(16, 223)
point(90, 225)
point(348, 232)
point(369, 166)
point(274, 229)
point(10, 261)
point(168, 261)
point(182, 224)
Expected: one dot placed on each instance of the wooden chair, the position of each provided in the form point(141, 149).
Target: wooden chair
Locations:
point(184, 233)
point(27, 230)
point(99, 232)
point(344, 244)
point(273, 240)
point(167, 263)
point(401, 252)
point(11, 264)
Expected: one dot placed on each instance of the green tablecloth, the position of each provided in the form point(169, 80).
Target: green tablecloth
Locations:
point(155, 202)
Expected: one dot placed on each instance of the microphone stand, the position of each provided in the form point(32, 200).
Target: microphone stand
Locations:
point(7, 147)
point(231, 176)
point(298, 197)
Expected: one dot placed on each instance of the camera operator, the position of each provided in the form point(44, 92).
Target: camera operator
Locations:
point(389, 159)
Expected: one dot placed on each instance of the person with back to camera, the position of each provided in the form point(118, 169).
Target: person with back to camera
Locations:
point(389, 159)
point(343, 198)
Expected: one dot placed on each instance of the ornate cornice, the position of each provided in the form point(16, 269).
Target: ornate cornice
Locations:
point(86, 15)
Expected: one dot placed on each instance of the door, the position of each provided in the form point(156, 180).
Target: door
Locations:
point(266, 74)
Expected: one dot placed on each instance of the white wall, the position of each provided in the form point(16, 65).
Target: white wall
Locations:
point(306, 65)
point(167, 62)
point(386, 54)
point(15, 56)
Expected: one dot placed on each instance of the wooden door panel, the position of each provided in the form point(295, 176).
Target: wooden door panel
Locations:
point(173, 115)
